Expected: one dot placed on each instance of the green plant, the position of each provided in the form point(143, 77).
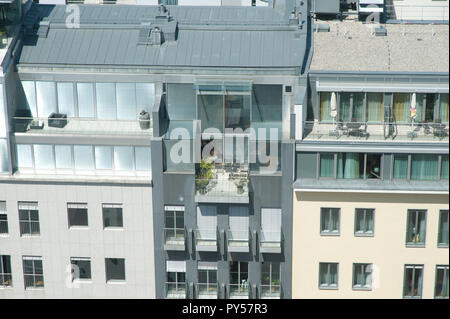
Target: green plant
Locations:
point(240, 184)
point(204, 175)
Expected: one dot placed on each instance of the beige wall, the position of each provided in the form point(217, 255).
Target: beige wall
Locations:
point(386, 249)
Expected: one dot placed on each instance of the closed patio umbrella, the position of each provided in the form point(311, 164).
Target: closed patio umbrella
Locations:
point(412, 110)
point(333, 106)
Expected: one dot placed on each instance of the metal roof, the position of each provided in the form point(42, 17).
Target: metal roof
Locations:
point(207, 37)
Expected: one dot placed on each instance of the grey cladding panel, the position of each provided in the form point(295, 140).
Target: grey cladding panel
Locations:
point(306, 165)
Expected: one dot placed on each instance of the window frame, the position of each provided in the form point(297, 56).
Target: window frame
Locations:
point(5, 276)
point(415, 244)
point(365, 233)
point(414, 267)
point(329, 286)
point(3, 222)
point(29, 221)
point(362, 270)
point(87, 215)
point(445, 280)
point(440, 226)
point(33, 274)
point(112, 205)
point(330, 211)
point(115, 280)
point(84, 259)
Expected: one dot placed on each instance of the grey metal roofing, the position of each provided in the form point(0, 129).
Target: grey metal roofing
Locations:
point(207, 37)
point(352, 46)
point(372, 185)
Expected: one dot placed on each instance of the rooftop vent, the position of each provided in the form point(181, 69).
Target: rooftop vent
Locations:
point(162, 28)
point(156, 36)
point(44, 25)
point(380, 31)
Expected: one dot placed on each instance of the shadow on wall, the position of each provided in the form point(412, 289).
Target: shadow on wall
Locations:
point(372, 198)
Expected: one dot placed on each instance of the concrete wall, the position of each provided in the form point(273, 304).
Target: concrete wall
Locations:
point(386, 250)
point(57, 243)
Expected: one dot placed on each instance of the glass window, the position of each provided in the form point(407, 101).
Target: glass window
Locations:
point(344, 107)
point(424, 166)
point(358, 108)
point(443, 107)
point(5, 271)
point(84, 157)
point(207, 281)
point(416, 227)
point(3, 221)
point(266, 103)
point(176, 283)
point(350, 166)
point(401, 107)
point(326, 165)
point(270, 279)
point(66, 103)
point(29, 218)
point(43, 156)
point(115, 269)
point(181, 102)
point(2, 115)
point(85, 93)
point(444, 167)
point(430, 103)
point(143, 158)
point(123, 158)
point(46, 98)
point(24, 157)
point(103, 157)
point(63, 156)
point(328, 275)
point(106, 101)
point(30, 95)
point(325, 110)
point(126, 101)
point(362, 276)
point(375, 107)
point(373, 166)
point(237, 111)
point(210, 111)
point(78, 214)
point(238, 278)
point(329, 221)
point(178, 155)
point(33, 272)
point(413, 281)
point(145, 97)
point(443, 228)
point(174, 226)
point(81, 268)
point(4, 161)
point(400, 166)
point(364, 221)
point(112, 215)
point(442, 282)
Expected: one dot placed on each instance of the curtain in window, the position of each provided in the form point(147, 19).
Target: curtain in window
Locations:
point(400, 166)
point(358, 107)
point(424, 167)
point(359, 276)
point(369, 221)
point(401, 106)
point(351, 170)
point(326, 165)
point(323, 274)
point(422, 228)
point(360, 221)
point(334, 220)
point(344, 107)
point(444, 167)
point(374, 107)
point(333, 274)
point(443, 107)
point(325, 99)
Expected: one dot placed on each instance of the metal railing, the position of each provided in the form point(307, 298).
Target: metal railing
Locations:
point(174, 236)
point(239, 290)
point(417, 12)
point(206, 237)
point(81, 126)
point(270, 291)
point(376, 131)
point(270, 237)
point(176, 290)
point(235, 185)
point(207, 291)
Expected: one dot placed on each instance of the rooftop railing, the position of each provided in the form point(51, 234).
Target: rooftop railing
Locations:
point(417, 12)
point(376, 131)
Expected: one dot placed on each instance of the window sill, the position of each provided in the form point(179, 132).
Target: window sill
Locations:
point(330, 234)
point(33, 288)
point(82, 281)
point(442, 245)
point(362, 288)
point(328, 288)
point(116, 282)
point(364, 235)
point(79, 228)
point(29, 236)
point(113, 228)
point(4, 235)
point(415, 245)
point(6, 287)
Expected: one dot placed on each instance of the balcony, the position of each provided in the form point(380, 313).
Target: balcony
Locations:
point(206, 239)
point(377, 132)
point(270, 242)
point(238, 241)
point(239, 291)
point(174, 239)
point(207, 291)
point(175, 290)
point(217, 183)
point(25, 126)
point(270, 291)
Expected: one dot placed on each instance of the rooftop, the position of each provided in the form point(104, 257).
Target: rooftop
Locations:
point(353, 46)
point(241, 37)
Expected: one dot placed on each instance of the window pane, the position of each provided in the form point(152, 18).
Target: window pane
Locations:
point(126, 101)
point(237, 111)
point(145, 97)
point(123, 158)
point(323, 274)
point(103, 157)
point(400, 166)
point(326, 165)
point(115, 269)
point(373, 166)
point(112, 217)
point(374, 107)
point(84, 268)
point(210, 111)
point(266, 103)
point(4, 161)
point(325, 111)
point(78, 216)
point(24, 159)
point(85, 93)
point(416, 227)
point(358, 107)
point(30, 94)
point(181, 102)
point(43, 156)
point(443, 107)
point(143, 158)
point(401, 107)
point(63, 156)
point(83, 156)
point(106, 101)
point(444, 167)
point(424, 167)
point(344, 107)
point(46, 98)
point(66, 104)
point(443, 228)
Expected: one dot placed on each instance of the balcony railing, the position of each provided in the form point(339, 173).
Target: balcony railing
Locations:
point(238, 240)
point(206, 239)
point(270, 291)
point(207, 291)
point(239, 291)
point(270, 241)
point(376, 131)
point(176, 290)
point(81, 126)
point(417, 13)
point(174, 238)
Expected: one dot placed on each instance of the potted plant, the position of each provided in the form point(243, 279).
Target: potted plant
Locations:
point(240, 184)
point(205, 174)
point(144, 120)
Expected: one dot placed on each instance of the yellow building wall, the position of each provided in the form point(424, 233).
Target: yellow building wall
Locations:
point(386, 250)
